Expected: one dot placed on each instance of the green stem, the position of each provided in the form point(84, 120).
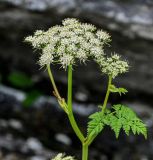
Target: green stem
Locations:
point(53, 82)
point(107, 94)
point(70, 115)
point(69, 96)
point(84, 152)
point(91, 138)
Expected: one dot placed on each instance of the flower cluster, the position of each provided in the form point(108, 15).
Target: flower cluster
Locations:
point(61, 156)
point(68, 43)
point(74, 41)
point(113, 66)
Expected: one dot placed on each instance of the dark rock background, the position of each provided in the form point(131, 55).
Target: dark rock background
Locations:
point(29, 132)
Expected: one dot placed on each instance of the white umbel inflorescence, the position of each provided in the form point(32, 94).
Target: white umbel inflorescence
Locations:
point(74, 41)
point(113, 66)
point(68, 43)
point(61, 156)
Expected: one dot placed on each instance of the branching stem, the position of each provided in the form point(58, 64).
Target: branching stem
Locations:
point(91, 138)
point(69, 101)
point(85, 142)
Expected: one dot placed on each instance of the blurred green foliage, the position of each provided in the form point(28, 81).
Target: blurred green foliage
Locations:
point(31, 97)
point(21, 80)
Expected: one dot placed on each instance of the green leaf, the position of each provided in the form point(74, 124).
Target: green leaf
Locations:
point(21, 80)
point(116, 125)
point(139, 127)
point(121, 117)
point(114, 89)
point(124, 117)
point(126, 126)
point(96, 123)
point(31, 97)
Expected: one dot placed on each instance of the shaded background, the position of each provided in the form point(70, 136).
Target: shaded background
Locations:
point(32, 126)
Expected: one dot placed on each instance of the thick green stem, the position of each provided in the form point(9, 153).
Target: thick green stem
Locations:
point(84, 152)
point(70, 115)
point(107, 94)
point(53, 82)
point(69, 96)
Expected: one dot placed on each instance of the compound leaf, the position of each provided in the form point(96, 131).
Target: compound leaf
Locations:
point(128, 120)
point(114, 89)
point(121, 117)
point(96, 124)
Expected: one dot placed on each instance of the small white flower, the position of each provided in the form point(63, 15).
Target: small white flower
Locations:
point(38, 32)
point(29, 39)
point(88, 27)
point(86, 46)
point(97, 52)
point(81, 55)
point(66, 34)
point(65, 41)
point(70, 21)
point(61, 156)
point(61, 50)
point(72, 49)
point(95, 42)
point(54, 30)
point(78, 31)
point(49, 49)
point(75, 39)
point(66, 60)
point(103, 36)
point(45, 59)
point(89, 35)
